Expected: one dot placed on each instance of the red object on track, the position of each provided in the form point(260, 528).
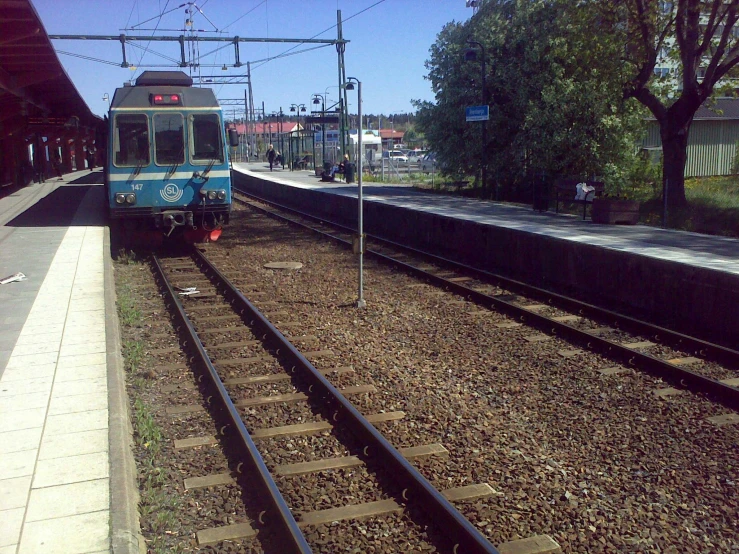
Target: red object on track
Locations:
point(202, 235)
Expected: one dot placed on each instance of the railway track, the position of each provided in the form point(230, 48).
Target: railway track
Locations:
point(256, 383)
point(685, 362)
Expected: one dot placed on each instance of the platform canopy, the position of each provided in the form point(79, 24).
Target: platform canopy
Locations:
point(35, 90)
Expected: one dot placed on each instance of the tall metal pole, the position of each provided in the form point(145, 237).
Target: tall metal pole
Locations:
point(253, 115)
point(483, 160)
point(360, 216)
point(247, 121)
point(282, 144)
point(340, 47)
point(323, 130)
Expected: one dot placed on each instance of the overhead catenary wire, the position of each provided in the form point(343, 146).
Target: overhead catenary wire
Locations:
point(141, 59)
point(326, 30)
point(89, 58)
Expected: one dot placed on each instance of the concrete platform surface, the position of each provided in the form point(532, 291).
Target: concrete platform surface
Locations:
point(60, 472)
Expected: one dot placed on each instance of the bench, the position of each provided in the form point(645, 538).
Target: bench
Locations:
point(567, 188)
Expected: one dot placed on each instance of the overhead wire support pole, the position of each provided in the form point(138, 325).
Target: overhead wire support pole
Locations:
point(340, 47)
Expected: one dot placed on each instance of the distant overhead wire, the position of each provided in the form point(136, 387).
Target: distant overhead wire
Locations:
point(173, 60)
point(244, 15)
point(117, 64)
point(322, 32)
point(141, 59)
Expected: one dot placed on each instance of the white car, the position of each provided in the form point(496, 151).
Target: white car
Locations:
point(415, 156)
point(395, 155)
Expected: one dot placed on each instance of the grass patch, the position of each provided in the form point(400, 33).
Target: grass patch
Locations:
point(713, 208)
point(133, 354)
point(158, 507)
point(128, 314)
point(148, 434)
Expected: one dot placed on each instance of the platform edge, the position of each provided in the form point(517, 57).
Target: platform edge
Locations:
point(124, 496)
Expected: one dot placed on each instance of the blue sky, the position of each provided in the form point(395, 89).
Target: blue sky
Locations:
point(389, 43)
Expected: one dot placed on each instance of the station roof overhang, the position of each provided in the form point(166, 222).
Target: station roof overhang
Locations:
point(35, 91)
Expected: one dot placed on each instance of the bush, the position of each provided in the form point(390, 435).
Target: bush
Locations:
point(640, 178)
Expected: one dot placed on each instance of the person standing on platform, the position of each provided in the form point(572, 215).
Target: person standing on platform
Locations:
point(57, 163)
point(271, 156)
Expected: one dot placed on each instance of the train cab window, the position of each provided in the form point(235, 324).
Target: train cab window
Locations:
point(205, 133)
point(169, 139)
point(131, 140)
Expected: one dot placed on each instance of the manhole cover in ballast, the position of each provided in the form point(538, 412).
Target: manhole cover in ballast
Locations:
point(283, 265)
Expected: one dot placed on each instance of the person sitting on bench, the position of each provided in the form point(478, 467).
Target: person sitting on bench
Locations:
point(335, 169)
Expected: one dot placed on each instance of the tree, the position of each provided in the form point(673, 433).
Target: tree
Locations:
point(699, 34)
point(554, 85)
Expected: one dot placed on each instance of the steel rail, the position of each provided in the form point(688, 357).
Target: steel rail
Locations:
point(415, 487)
point(726, 395)
point(666, 336)
point(289, 536)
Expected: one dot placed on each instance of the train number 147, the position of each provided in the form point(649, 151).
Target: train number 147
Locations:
point(137, 186)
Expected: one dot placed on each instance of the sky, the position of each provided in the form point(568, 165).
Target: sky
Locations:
point(389, 41)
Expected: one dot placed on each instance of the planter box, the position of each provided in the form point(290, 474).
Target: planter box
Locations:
point(606, 210)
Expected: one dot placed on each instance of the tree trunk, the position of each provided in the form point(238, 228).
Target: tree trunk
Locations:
point(674, 156)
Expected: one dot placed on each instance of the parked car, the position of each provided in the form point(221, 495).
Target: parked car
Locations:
point(395, 156)
point(428, 163)
point(415, 156)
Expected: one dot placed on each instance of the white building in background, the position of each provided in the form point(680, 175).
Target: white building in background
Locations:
point(371, 144)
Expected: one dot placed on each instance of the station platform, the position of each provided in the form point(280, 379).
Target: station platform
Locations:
point(711, 252)
point(66, 481)
point(655, 274)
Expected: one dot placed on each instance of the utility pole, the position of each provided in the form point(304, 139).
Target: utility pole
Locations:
point(252, 115)
point(340, 47)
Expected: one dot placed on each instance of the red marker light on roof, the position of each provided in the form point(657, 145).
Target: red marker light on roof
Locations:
point(166, 99)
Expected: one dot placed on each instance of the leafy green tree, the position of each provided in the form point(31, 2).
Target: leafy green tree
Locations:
point(701, 37)
point(553, 83)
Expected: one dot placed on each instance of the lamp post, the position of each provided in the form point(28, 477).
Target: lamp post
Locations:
point(360, 223)
point(471, 55)
point(319, 99)
point(297, 108)
point(106, 99)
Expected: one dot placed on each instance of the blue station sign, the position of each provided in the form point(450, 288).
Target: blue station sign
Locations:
point(477, 113)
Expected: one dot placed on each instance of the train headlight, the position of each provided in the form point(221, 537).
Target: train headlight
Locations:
point(221, 194)
point(212, 195)
point(130, 198)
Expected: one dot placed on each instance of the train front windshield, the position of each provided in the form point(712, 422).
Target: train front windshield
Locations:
point(206, 138)
point(131, 140)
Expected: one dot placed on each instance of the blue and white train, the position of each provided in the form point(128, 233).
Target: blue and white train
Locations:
point(167, 169)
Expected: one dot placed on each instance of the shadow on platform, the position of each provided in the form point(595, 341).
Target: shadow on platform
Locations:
point(58, 208)
point(93, 178)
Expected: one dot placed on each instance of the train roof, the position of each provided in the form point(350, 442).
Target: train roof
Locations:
point(166, 78)
point(150, 83)
point(140, 97)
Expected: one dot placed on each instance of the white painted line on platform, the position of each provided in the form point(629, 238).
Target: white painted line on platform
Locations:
point(97, 400)
point(25, 386)
point(67, 535)
point(10, 526)
point(71, 444)
point(75, 423)
point(18, 464)
point(72, 469)
point(81, 373)
point(22, 419)
point(14, 492)
point(68, 500)
point(17, 441)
